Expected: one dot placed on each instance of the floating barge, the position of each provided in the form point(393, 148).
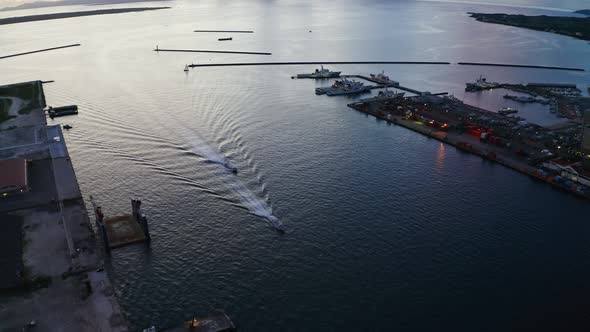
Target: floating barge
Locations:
point(119, 231)
point(55, 112)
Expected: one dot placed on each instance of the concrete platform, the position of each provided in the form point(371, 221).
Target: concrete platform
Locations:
point(123, 230)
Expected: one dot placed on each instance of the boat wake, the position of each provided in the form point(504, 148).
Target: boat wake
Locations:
point(248, 199)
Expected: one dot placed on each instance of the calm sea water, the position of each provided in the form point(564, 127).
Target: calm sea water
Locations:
point(387, 230)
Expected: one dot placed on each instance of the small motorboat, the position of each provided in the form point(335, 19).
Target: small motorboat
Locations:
point(67, 127)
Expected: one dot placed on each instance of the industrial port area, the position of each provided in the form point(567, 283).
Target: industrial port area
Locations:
point(558, 154)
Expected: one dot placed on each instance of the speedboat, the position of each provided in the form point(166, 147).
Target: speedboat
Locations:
point(67, 127)
point(230, 167)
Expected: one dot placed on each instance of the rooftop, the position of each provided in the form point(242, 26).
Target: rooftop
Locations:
point(13, 175)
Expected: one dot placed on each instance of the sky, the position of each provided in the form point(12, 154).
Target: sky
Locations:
point(563, 4)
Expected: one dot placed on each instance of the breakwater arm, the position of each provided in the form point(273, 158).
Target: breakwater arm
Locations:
point(226, 31)
point(317, 63)
point(38, 51)
point(210, 51)
point(55, 16)
point(518, 66)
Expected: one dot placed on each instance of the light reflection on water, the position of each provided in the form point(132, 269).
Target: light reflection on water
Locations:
point(386, 224)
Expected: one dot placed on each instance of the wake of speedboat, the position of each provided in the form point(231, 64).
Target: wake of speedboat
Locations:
point(254, 204)
point(248, 199)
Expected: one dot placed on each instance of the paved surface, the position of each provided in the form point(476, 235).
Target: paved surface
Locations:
point(58, 245)
point(11, 241)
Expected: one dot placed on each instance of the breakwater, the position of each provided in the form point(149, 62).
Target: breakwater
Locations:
point(55, 16)
point(518, 66)
point(294, 63)
point(38, 51)
point(226, 31)
point(210, 51)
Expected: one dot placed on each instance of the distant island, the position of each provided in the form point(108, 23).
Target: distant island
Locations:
point(55, 16)
point(577, 27)
point(583, 12)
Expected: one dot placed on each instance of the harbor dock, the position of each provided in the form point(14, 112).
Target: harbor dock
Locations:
point(443, 119)
point(122, 230)
point(55, 276)
point(388, 85)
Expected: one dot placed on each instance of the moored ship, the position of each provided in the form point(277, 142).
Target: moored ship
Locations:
point(321, 73)
point(480, 84)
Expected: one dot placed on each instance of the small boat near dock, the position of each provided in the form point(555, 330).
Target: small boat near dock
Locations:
point(55, 112)
point(224, 39)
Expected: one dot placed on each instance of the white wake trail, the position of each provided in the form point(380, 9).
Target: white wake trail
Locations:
point(248, 199)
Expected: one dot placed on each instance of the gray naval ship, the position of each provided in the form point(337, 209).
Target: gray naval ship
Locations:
point(320, 73)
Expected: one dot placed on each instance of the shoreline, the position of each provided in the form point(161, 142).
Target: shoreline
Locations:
point(575, 27)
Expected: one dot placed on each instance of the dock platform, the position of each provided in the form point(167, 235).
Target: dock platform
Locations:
point(123, 230)
point(383, 85)
point(119, 231)
point(217, 323)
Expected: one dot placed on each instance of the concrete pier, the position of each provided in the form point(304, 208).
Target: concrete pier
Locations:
point(62, 283)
